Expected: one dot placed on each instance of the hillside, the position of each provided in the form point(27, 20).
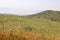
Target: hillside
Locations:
point(33, 27)
point(48, 14)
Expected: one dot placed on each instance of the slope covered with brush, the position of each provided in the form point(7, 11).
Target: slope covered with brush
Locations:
point(41, 26)
point(48, 14)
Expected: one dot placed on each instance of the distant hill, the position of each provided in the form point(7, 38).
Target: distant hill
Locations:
point(48, 14)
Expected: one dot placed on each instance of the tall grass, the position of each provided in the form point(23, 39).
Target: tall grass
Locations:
point(22, 28)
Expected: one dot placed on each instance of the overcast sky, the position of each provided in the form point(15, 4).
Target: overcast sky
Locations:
point(26, 7)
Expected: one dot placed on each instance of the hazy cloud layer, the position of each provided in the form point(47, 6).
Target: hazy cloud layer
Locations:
point(28, 6)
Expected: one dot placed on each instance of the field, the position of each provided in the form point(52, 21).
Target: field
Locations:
point(28, 28)
point(22, 28)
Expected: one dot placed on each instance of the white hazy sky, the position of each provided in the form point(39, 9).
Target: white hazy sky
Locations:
point(26, 7)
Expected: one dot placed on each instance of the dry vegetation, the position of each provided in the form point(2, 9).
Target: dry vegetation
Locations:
point(30, 28)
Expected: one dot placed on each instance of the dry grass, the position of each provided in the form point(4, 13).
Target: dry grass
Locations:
point(27, 36)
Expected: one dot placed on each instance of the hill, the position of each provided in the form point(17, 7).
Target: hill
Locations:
point(32, 27)
point(48, 14)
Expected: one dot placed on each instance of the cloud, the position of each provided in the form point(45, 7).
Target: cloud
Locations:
point(29, 6)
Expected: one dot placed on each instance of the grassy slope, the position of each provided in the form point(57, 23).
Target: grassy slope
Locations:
point(48, 14)
point(36, 27)
point(14, 24)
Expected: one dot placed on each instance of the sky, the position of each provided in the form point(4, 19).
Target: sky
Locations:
point(28, 7)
